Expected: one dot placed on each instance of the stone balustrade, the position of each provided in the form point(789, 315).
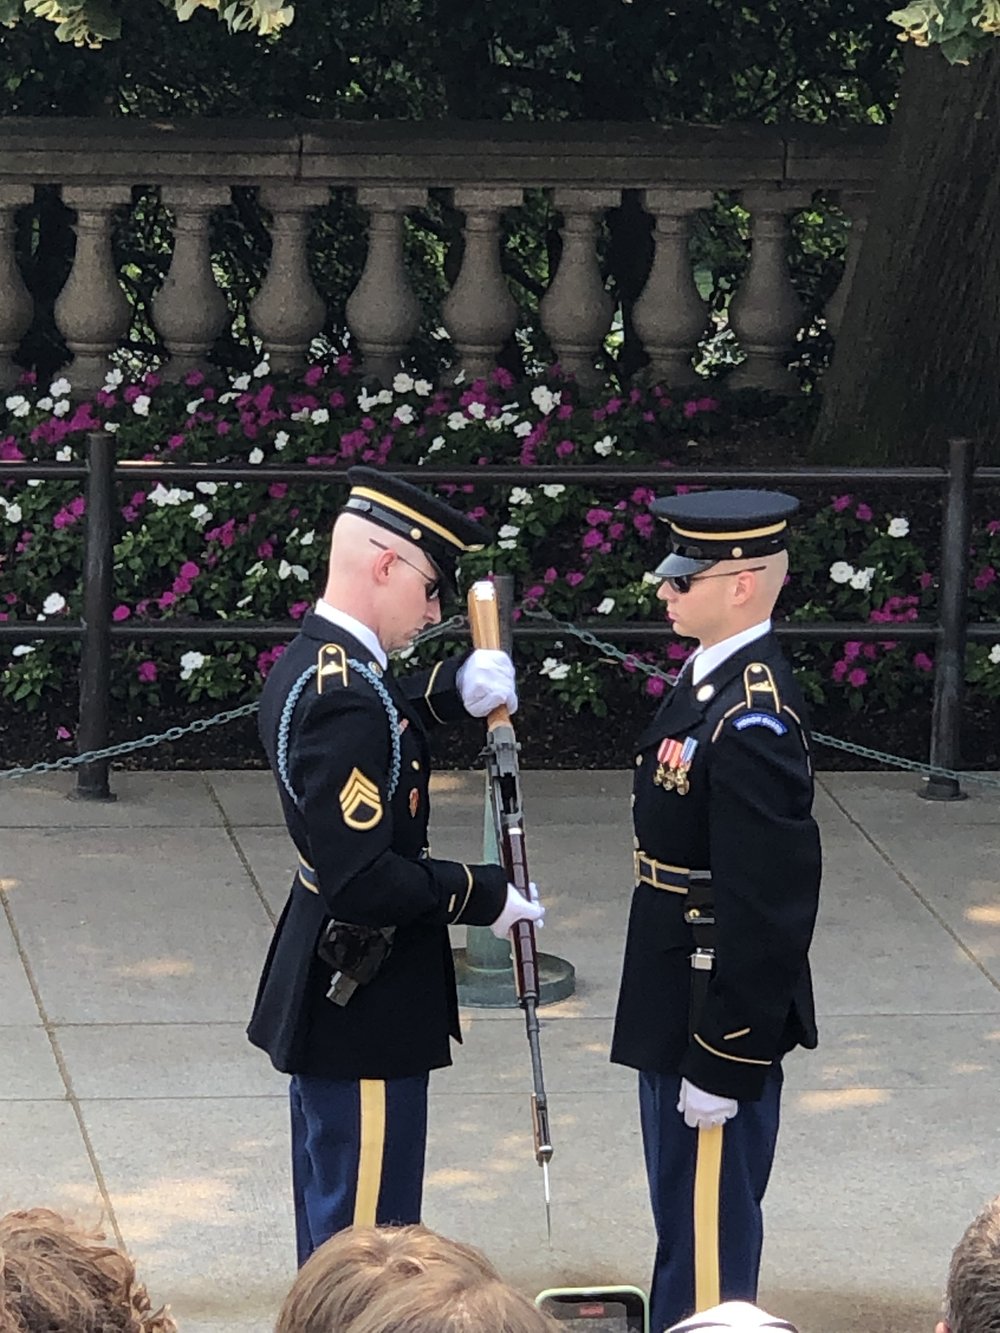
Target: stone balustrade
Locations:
point(392, 168)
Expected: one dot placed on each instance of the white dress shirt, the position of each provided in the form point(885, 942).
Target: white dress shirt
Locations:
point(705, 660)
point(360, 631)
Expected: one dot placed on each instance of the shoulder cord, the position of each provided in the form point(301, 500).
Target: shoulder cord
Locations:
point(285, 724)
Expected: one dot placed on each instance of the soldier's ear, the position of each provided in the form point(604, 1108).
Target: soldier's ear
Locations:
point(743, 587)
point(383, 562)
point(942, 1326)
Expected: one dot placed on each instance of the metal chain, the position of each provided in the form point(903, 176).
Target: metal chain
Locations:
point(457, 622)
point(832, 742)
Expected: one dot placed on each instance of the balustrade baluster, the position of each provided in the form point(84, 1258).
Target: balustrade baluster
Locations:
point(91, 311)
point(856, 207)
point(288, 311)
point(190, 310)
point(670, 315)
point(576, 310)
point(479, 312)
point(16, 305)
point(766, 313)
point(383, 313)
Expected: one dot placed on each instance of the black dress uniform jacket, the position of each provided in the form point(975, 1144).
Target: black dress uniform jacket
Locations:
point(369, 863)
point(746, 818)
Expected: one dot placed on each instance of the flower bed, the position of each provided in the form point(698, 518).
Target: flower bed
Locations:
point(231, 551)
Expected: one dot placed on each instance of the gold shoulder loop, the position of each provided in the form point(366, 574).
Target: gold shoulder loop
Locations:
point(760, 688)
point(331, 665)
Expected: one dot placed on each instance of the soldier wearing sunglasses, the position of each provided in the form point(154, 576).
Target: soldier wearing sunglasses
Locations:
point(357, 1000)
point(715, 986)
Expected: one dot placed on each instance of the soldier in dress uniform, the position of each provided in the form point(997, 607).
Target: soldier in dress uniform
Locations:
point(357, 999)
point(715, 986)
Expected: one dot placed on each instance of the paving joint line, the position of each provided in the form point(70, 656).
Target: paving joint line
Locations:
point(231, 835)
point(64, 1074)
point(920, 897)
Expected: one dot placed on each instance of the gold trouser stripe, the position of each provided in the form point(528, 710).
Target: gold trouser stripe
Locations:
point(707, 1175)
point(372, 1093)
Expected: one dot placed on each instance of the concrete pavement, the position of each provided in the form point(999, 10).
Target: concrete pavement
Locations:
point(129, 951)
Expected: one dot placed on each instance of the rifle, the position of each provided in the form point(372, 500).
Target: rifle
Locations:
point(503, 772)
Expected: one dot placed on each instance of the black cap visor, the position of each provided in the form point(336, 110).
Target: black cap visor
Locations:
point(675, 566)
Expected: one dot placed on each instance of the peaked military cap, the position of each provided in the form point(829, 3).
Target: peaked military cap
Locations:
point(440, 531)
point(709, 526)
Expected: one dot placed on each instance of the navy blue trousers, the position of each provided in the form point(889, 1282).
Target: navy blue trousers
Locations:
point(706, 1189)
point(357, 1154)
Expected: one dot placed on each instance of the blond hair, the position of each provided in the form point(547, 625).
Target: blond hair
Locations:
point(57, 1277)
point(403, 1280)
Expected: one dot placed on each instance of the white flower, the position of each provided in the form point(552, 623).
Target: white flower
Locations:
point(504, 419)
point(192, 407)
point(509, 530)
point(384, 396)
point(255, 456)
point(320, 416)
point(34, 481)
point(507, 544)
point(141, 405)
point(53, 604)
point(554, 490)
point(15, 400)
point(423, 388)
point(841, 571)
point(201, 514)
point(60, 409)
point(228, 397)
point(44, 404)
point(898, 527)
point(60, 388)
point(261, 368)
point(64, 454)
point(206, 487)
point(404, 414)
point(111, 427)
point(605, 446)
point(606, 607)
point(241, 383)
point(245, 601)
point(22, 407)
point(862, 578)
point(995, 654)
point(477, 410)
point(403, 383)
point(113, 378)
point(190, 663)
point(457, 421)
point(21, 650)
point(522, 428)
point(280, 440)
point(404, 653)
point(160, 496)
point(13, 513)
point(554, 669)
point(366, 400)
point(303, 414)
point(285, 570)
point(651, 578)
point(544, 399)
point(436, 444)
point(308, 539)
point(519, 496)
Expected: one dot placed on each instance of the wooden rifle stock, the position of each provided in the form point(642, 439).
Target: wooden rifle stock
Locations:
point(505, 798)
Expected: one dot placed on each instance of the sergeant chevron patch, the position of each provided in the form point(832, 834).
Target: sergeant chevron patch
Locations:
point(360, 802)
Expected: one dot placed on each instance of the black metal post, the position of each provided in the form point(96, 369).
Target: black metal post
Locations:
point(93, 728)
point(949, 664)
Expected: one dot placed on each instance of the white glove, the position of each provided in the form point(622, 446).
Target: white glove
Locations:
point(703, 1110)
point(518, 908)
point(485, 680)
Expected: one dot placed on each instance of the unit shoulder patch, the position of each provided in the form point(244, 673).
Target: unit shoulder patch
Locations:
point(331, 666)
point(768, 720)
point(360, 802)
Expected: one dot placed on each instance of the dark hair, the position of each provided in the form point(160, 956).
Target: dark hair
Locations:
point(57, 1277)
point(972, 1299)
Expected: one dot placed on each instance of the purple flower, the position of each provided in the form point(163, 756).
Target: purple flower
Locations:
point(277, 490)
point(63, 734)
point(864, 513)
point(312, 376)
point(146, 671)
point(839, 670)
point(852, 649)
point(189, 570)
point(121, 612)
point(165, 600)
point(564, 448)
point(925, 580)
point(922, 662)
point(265, 550)
point(595, 516)
point(655, 686)
point(841, 502)
point(857, 677)
point(192, 379)
point(574, 577)
point(984, 578)
point(298, 609)
point(181, 587)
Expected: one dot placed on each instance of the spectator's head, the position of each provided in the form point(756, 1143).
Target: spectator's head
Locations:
point(972, 1300)
point(731, 1317)
point(56, 1277)
point(403, 1280)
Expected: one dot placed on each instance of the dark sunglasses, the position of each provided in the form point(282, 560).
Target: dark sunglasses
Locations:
point(432, 586)
point(682, 582)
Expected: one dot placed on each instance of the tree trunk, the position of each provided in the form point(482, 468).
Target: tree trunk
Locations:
point(918, 353)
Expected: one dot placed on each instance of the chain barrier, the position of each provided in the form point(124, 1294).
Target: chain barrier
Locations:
point(458, 622)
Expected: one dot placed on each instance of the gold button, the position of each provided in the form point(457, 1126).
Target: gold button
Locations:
point(415, 534)
point(638, 760)
point(414, 763)
point(704, 693)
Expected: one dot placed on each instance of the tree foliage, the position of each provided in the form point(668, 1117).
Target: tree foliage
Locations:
point(961, 28)
point(93, 22)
